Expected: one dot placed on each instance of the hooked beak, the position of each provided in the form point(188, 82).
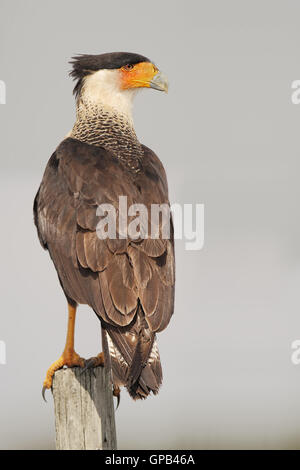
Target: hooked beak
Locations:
point(160, 82)
point(144, 74)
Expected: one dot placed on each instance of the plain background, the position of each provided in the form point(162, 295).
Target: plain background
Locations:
point(228, 135)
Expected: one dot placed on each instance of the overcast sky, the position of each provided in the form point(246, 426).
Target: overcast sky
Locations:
point(228, 136)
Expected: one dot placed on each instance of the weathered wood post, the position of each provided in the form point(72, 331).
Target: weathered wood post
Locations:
point(84, 409)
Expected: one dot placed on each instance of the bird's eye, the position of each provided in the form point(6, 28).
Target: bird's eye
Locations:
point(128, 67)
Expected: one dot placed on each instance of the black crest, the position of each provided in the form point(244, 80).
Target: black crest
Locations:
point(85, 64)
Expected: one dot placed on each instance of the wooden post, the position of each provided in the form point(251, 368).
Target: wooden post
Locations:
point(84, 409)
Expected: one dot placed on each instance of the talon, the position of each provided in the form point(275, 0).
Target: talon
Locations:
point(117, 393)
point(93, 362)
point(88, 364)
point(43, 393)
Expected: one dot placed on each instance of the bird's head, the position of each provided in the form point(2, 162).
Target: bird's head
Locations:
point(112, 79)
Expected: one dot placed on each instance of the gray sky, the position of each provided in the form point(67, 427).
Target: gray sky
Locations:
point(228, 135)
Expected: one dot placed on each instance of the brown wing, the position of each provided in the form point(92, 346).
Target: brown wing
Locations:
point(120, 279)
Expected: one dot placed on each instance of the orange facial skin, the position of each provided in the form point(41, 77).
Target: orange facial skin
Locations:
point(137, 76)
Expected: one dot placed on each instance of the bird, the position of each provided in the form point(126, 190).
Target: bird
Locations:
point(128, 281)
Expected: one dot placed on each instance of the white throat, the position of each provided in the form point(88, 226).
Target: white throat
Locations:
point(102, 89)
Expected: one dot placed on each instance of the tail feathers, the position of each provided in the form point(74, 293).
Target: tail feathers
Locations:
point(140, 372)
point(149, 381)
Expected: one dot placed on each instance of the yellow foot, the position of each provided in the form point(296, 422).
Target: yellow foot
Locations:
point(68, 358)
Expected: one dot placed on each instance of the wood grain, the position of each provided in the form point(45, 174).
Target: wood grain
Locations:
point(84, 409)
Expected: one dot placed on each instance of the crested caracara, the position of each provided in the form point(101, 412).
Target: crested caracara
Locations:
point(127, 281)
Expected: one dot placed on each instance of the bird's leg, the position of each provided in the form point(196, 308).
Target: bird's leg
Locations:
point(69, 357)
